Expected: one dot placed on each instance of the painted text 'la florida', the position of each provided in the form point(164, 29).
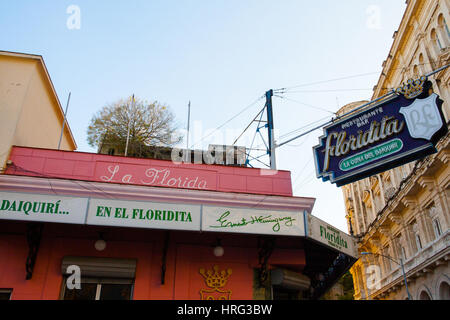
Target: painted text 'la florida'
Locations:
point(154, 177)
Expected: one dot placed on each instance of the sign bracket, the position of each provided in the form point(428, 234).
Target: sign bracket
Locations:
point(164, 257)
point(34, 235)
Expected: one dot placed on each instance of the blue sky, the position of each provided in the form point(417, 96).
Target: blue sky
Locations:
point(219, 54)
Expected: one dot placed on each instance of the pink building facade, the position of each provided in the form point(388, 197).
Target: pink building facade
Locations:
point(88, 226)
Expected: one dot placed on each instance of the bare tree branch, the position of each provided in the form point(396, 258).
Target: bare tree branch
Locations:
point(151, 124)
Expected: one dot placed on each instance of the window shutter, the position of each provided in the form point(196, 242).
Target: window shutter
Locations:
point(101, 267)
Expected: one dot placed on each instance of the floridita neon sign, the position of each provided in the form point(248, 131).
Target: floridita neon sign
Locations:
point(338, 145)
point(401, 129)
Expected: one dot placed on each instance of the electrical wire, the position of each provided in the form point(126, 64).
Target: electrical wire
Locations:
point(301, 171)
point(305, 182)
point(285, 89)
point(295, 131)
point(297, 145)
point(229, 120)
point(327, 90)
point(305, 104)
point(302, 128)
point(324, 81)
point(251, 122)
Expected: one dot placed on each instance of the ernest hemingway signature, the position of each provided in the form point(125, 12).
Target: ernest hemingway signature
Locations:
point(224, 223)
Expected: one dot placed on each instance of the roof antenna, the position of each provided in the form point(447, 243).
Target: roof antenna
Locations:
point(188, 154)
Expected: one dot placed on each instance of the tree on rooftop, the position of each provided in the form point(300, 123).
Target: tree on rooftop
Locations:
point(145, 124)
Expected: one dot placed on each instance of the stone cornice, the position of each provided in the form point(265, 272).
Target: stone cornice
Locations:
point(396, 218)
point(426, 182)
point(385, 231)
point(409, 202)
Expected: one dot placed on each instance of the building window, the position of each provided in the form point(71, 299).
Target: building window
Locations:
point(5, 294)
point(437, 228)
point(101, 289)
point(418, 242)
point(280, 293)
point(403, 253)
point(424, 296)
point(387, 262)
point(443, 24)
point(435, 38)
point(99, 278)
point(416, 71)
point(444, 291)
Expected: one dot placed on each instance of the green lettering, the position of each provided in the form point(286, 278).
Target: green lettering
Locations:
point(36, 210)
point(99, 211)
point(20, 206)
point(13, 206)
point(57, 206)
point(50, 207)
point(27, 207)
point(5, 205)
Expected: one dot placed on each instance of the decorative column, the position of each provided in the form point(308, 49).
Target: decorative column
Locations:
point(411, 204)
point(356, 211)
point(381, 186)
point(423, 216)
point(376, 242)
point(445, 214)
point(386, 232)
point(354, 273)
point(396, 218)
point(361, 205)
point(365, 262)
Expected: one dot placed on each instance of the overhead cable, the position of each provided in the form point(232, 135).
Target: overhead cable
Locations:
point(229, 120)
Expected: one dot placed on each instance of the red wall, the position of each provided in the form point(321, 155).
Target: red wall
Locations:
point(100, 168)
point(188, 252)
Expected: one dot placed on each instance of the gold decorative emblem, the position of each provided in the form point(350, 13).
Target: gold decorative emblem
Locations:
point(215, 280)
point(412, 88)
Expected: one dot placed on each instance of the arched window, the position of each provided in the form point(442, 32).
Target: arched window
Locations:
point(435, 39)
point(442, 24)
point(422, 66)
point(424, 296)
point(416, 71)
point(444, 291)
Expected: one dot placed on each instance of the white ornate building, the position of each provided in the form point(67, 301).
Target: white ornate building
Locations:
point(403, 215)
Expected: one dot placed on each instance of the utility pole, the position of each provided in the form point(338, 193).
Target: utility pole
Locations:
point(271, 151)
